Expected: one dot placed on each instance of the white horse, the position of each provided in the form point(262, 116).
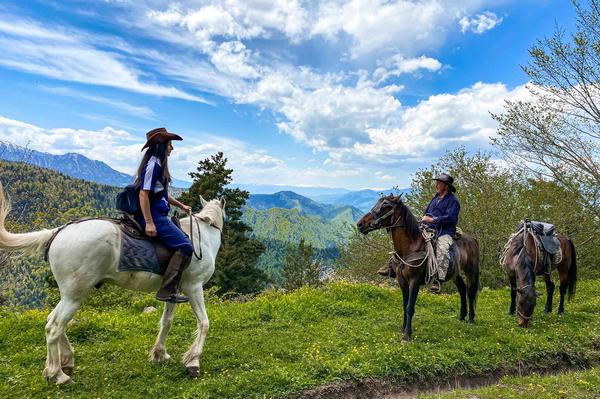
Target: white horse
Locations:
point(86, 253)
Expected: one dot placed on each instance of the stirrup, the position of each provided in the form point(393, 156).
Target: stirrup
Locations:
point(435, 287)
point(173, 298)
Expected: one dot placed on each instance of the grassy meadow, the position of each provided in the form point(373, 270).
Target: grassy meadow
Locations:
point(284, 343)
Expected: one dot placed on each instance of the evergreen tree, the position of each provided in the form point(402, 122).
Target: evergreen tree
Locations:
point(300, 267)
point(235, 269)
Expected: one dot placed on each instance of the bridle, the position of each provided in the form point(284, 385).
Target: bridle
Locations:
point(377, 220)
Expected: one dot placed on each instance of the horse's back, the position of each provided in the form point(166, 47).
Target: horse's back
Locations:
point(92, 245)
point(469, 253)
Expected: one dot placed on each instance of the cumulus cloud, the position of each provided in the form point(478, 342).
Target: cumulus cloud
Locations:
point(398, 65)
point(403, 26)
point(479, 23)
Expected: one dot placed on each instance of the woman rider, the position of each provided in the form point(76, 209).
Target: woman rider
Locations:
point(153, 179)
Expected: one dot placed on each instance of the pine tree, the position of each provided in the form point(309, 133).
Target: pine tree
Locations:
point(235, 269)
point(300, 267)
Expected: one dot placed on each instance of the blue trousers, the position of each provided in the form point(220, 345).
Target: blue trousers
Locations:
point(168, 234)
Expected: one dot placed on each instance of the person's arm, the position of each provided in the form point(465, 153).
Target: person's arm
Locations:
point(145, 205)
point(450, 215)
point(186, 208)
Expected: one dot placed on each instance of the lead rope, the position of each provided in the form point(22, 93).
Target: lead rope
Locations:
point(430, 258)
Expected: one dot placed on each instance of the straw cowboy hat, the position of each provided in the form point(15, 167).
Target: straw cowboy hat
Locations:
point(159, 135)
point(447, 179)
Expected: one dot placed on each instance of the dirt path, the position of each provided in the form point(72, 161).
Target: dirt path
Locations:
point(384, 389)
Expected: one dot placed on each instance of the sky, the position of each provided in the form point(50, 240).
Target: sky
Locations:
point(353, 94)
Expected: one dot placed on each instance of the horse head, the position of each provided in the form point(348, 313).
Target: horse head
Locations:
point(213, 212)
point(381, 215)
point(526, 294)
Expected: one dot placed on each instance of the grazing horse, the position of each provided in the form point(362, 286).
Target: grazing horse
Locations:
point(87, 253)
point(411, 254)
point(523, 262)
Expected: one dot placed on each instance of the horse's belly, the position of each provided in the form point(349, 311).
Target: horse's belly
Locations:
point(138, 281)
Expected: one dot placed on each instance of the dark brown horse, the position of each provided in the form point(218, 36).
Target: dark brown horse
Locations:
point(523, 262)
point(410, 262)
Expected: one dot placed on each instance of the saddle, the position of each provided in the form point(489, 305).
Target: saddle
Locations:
point(548, 245)
point(138, 251)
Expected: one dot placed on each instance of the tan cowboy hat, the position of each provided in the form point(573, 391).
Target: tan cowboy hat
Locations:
point(159, 135)
point(447, 179)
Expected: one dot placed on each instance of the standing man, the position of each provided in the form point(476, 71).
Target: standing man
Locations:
point(442, 214)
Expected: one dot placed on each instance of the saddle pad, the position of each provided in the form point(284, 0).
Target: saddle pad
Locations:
point(139, 256)
point(551, 244)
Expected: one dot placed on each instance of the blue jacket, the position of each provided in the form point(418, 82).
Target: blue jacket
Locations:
point(445, 213)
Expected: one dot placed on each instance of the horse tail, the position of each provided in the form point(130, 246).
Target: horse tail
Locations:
point(572, 273)
point(29, 242)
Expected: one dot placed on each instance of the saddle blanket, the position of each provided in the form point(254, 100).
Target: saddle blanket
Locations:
point(139, 256)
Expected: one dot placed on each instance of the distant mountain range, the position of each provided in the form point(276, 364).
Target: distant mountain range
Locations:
point(325, 200)
point(71, 164)
point(305, 205)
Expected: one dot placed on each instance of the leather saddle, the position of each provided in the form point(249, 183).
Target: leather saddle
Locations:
point(136, 240)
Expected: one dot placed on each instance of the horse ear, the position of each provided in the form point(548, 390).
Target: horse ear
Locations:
point(203, 202)
point(222, 200)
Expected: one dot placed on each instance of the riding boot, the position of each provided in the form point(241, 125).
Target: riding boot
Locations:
point(170, 284)
point(387, 271)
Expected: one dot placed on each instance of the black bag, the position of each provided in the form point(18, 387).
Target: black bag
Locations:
point(128, 200)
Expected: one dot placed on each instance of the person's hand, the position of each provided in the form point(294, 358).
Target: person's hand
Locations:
point(427, 219)
point(187, 209)
point(150, 229)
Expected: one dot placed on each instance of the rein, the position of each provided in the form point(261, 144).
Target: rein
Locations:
point(199, 257)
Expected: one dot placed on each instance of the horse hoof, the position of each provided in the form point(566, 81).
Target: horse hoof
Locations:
point(193, 372)
point(471, 321)
point(62, 379)
point(68, 371)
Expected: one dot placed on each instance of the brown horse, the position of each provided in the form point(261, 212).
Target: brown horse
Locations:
point(410, 265)
point(523, 262)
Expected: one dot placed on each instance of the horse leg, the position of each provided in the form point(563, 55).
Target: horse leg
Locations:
point(55, 330)
point(159, 354)
point(191, 359)
point(549, 293)
point(472, 289)
point(67, 360)
point(513, 296)
point(413, 290)
point(405, 294)
point(462, 290)
point(562, 289)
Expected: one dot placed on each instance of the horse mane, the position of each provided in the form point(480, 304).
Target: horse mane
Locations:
point(410, 221)
point(212, 214)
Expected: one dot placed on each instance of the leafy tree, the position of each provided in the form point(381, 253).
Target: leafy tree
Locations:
point(301, 268)
point(235, 269)
point(555, 133)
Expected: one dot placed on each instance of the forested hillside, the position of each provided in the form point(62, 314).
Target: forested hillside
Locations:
point(43, 198)
point(279, 228)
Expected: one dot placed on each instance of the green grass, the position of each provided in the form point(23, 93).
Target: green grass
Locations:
point(575, 385)
point(279, 344)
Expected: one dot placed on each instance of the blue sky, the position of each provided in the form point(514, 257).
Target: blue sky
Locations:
point(354, 94)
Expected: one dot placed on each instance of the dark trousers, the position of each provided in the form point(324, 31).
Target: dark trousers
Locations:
point(168, 234)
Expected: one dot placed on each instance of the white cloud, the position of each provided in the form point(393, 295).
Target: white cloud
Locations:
point(141, 111)
point(401, 26)
point(398, 65)
point(439, 121)
point(479, 23)
point(26, 46)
